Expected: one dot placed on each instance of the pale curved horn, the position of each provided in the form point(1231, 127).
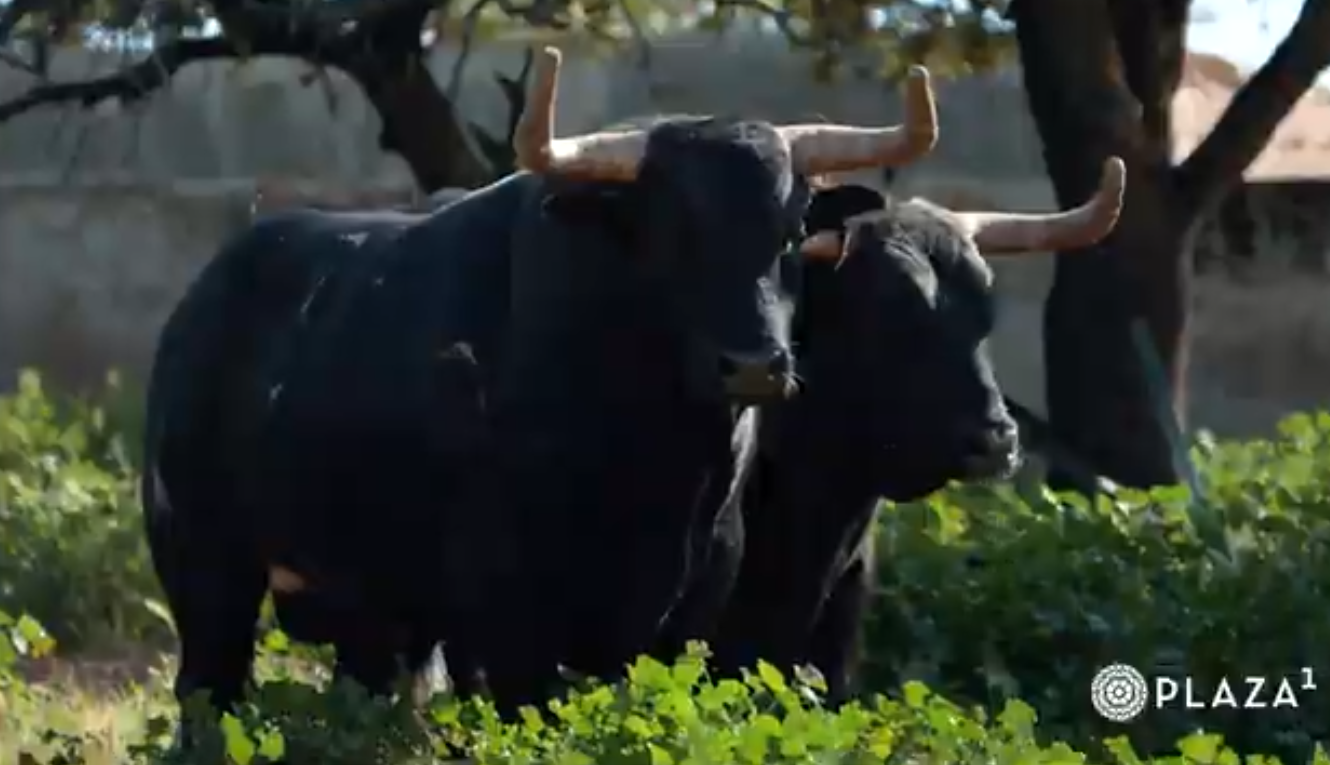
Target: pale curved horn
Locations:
point(817, 149)
point(594, 156)
point(996, 233)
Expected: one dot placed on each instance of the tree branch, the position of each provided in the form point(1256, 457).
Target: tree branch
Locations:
point(783, 18)
point(499, 151)
point(143, 78)
point(128, 84)
point(470, 20)
point(1258, 107)
point(330, 17)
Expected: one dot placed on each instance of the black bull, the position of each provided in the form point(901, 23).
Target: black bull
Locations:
point(898, 398)
point(499, 424)
point(393, 432)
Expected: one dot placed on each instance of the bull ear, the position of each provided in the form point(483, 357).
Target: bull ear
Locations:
point(830, 207)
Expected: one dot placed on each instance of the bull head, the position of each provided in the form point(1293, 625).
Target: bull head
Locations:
point(814, 149)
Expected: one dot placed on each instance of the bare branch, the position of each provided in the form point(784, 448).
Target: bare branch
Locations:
point(469, 23)
point(498, 152)
point(133, 82)
point(514, 92)
point(156, 70)
point(1258, 107)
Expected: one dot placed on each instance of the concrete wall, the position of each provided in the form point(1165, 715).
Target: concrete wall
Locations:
point(105, 217)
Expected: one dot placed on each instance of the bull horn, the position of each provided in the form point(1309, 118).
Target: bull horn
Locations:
point(594, 156)
point(1009, 233)
point(818, 149)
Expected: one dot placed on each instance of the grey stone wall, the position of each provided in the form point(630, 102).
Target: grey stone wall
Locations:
point(105, 216)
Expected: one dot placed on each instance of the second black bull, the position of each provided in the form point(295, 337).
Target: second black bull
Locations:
point(898, 398)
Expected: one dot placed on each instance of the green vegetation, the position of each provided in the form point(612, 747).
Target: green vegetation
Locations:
point(995, 610)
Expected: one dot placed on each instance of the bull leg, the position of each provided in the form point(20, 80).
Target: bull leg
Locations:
point(215, 600)
point(518, 658)
point(377, 665)
point(836, 645)
point(522, 681)
point(214, 587)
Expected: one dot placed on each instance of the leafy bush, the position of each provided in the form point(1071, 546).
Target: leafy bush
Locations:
point(72, 553)
point(660, 715)
point(987, 596)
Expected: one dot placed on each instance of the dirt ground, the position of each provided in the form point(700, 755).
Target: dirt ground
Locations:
point(102, 673)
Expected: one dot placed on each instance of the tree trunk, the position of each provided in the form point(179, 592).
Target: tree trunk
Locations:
point(1099, 400)
point(420, 123)
point(1100, 76)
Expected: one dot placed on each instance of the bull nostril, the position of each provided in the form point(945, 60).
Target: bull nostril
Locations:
point(757, 378)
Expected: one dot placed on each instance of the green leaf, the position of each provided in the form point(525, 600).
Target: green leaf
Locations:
point(1018, 718)
point(916, 694)
point(277, 641)
point(240, 748)
point(1201, 748)
point(30, 638)
point(771, 677)
point(160, 611)
point(659, 756)
point(272, 745)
